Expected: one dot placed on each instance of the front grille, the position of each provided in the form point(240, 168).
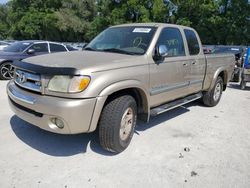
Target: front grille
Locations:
point(27, 80)
point(38, 114)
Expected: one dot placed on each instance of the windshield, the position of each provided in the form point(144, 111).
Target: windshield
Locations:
point(126, 40)
point(17, 47)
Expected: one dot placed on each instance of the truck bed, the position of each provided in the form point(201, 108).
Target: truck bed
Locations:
point(216, 62)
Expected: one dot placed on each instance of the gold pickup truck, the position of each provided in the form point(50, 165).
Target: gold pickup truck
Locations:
point(127, 72)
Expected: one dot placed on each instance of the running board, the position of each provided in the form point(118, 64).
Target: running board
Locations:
point(174, 104)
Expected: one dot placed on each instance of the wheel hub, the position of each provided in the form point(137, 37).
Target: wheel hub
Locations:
point(126, 124)
point(217, 92)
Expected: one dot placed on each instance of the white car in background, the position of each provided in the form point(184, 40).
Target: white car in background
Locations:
point(3, 45)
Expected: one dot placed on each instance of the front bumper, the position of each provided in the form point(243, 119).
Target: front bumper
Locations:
point(39, 110)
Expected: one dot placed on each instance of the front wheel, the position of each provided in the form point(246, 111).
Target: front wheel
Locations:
point(212, 97)
point(117, 123)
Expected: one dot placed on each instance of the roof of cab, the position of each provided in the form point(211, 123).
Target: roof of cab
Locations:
point(152, 25)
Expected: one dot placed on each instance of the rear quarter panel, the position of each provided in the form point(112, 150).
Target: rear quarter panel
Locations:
point(217, 63)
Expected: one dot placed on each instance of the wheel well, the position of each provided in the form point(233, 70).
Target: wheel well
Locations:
point(140, 98)
point(6, 61)
point(224, 77)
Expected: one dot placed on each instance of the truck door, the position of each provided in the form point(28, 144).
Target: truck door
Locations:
point(196, 60)
point(168, 77)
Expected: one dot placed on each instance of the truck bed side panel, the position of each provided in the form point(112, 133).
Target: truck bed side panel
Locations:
point(217, 63)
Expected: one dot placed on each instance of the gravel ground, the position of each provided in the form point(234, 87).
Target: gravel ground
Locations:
point(191, 146)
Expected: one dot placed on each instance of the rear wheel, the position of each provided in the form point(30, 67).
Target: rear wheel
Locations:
point(212, 97)
point(6, 71)
point(117, 123)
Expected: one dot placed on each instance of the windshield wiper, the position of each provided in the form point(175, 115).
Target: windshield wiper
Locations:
point(89, 49)
point(116, 50)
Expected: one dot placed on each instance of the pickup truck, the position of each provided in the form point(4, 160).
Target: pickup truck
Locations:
point(127, 72)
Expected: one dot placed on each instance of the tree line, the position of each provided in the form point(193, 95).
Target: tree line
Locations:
point(217, 21)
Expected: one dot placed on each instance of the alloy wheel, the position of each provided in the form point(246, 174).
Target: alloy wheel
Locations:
point(7, 71)
point(126, 124)
point(217, 92)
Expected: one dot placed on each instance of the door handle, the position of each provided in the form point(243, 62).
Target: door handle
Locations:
point(194, 62)
point(185, 64)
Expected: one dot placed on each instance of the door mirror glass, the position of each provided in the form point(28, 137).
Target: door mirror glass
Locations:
point(162, 51)
point(30, 51)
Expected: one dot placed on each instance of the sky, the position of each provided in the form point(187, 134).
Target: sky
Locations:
point(3, 1)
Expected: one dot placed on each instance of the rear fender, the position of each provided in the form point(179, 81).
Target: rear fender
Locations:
point(223, 73)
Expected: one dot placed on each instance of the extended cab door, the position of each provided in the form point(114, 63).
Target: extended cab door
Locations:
point(169, 77)
point(196, 60)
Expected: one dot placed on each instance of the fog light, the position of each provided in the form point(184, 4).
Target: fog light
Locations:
point(58, 122)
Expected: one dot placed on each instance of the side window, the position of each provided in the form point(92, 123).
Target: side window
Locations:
point(57, 48)
point(41, 47)
point(193, 44)
point(172, 39)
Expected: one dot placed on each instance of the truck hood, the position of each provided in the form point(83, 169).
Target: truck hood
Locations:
point(87, 60)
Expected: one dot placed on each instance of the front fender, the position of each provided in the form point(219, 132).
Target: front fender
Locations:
point(2, 61)
point(130, 84)
point(113, 88)
point(126, 84)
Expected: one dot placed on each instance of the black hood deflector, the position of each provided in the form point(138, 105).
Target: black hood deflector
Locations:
point(38, 69)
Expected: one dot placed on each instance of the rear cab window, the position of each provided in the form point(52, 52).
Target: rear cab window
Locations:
point(172, 38)
point(192, 41)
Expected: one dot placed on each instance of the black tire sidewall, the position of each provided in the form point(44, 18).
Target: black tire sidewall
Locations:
point(110, 123)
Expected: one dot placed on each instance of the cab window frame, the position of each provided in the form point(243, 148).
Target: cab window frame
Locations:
point(182, 40)
point(188, 43)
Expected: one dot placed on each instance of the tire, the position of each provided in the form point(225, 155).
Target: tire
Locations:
point(115, 133)
point(6, 71)
point(242, 85)
point(212, 98)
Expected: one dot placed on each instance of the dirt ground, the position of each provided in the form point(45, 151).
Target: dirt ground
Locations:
point(191, 146)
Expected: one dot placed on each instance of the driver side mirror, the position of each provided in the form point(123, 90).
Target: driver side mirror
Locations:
point(161, 52)
point(30, 51)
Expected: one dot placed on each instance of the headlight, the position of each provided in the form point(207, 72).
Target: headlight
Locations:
point(68, 84)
